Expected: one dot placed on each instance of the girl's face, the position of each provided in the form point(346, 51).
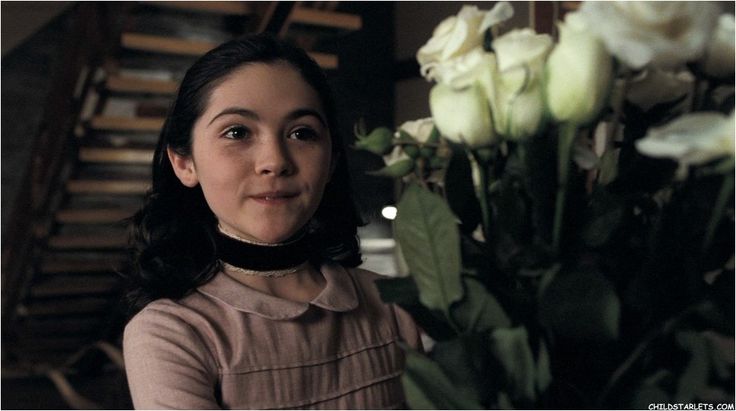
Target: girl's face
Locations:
point(261, 151)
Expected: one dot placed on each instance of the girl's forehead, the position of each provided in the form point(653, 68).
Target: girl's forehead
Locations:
point(269, 86)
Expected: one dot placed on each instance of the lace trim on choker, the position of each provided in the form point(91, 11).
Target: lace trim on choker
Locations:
point(269, 273)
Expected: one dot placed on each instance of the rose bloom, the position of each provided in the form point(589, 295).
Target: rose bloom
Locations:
point(459, 102)
point(654, 86)
point(663, 34)
point(719, 57)
point(579, 73)
point(420, 129)
point(457, 35)
point(692, 139)
point(516, 94)
point(462, 115)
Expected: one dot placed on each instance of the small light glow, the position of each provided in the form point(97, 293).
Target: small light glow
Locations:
point(389, 212)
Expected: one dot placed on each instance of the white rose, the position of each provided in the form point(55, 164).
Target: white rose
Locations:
point(462, 115)
point(456, 35)
point(522, 47)
point(520, 116)
point(579, 73)
point(692, 139)
point(515, 94)
point(654, 86)
point(719, 57)
point(664, 34)
point(475, 65)
point(419, 129)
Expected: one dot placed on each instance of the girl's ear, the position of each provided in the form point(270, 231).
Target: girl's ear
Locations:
point(183, 168)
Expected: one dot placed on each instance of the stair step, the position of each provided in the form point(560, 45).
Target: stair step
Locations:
point(325, 18)
point(166, 45)
point(123, 84)
point(93, 216)
point(121, 187)
point(88, 241)
point(170, 45)
point(214, 7)
point(59, 286)
point(324, 60)
point(85, 265)
point(86, 305)
point(140, 124)
point(51, 345)
point(61, 327)
point(115, 155)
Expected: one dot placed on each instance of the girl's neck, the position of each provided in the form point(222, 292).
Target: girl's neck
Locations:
point(301, 286)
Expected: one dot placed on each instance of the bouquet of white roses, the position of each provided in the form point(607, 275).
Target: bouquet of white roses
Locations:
point(568, 211)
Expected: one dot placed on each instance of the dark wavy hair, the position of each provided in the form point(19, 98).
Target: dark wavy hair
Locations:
point(171, 237)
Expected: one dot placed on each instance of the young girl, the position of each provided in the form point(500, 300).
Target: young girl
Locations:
point(246, 248)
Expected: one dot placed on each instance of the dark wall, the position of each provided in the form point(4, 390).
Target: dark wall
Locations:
point(364, 89)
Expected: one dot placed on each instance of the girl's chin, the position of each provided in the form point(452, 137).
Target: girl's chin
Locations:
point(271, 236)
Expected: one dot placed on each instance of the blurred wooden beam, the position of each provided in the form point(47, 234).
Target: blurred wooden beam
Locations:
point(323, 18)
point(120, 84)
point(107, 186)
point(165, 45)
point(142, 124)
point(215, 7)
point(115, 155)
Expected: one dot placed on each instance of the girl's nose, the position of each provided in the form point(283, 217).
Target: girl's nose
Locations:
point(274, 158)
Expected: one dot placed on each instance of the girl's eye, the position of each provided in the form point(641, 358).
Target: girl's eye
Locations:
point(303, 134)
point(237, 133)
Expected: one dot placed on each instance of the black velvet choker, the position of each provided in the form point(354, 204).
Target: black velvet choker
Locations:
point(247, 255)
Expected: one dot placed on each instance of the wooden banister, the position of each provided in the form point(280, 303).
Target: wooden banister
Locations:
point(52, 150)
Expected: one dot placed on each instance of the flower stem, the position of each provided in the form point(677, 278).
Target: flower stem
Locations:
point(618, 105)
point(564, 149)
point(484, 164)
point(640, 349)
point(715, 218)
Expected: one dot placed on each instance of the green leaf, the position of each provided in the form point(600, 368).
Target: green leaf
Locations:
point(467, 363)
point(427, 233)
point(581, 305)
point(409, 145)
point(460, 191)
point(427, 387)
point(607, 213)
point(405, 138)
point(398, 290)
point(544, 372)
point(379, 141)
point(426, 151)
point(398, 169)
point(479, 310)
point(511, 348)
point(403, 291)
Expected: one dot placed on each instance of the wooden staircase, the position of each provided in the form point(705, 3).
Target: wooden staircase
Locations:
point(73, 298)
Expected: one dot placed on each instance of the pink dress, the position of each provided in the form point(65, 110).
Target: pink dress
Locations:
point(229, 346)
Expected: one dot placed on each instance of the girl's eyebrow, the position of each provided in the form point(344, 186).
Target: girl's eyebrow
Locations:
point(244, 112)
point(235, 110)
point(303, 112)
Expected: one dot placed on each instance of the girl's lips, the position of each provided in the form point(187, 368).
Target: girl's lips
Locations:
point(273, 198)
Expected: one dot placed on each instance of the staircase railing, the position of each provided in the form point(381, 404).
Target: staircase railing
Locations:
point(86, 42)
